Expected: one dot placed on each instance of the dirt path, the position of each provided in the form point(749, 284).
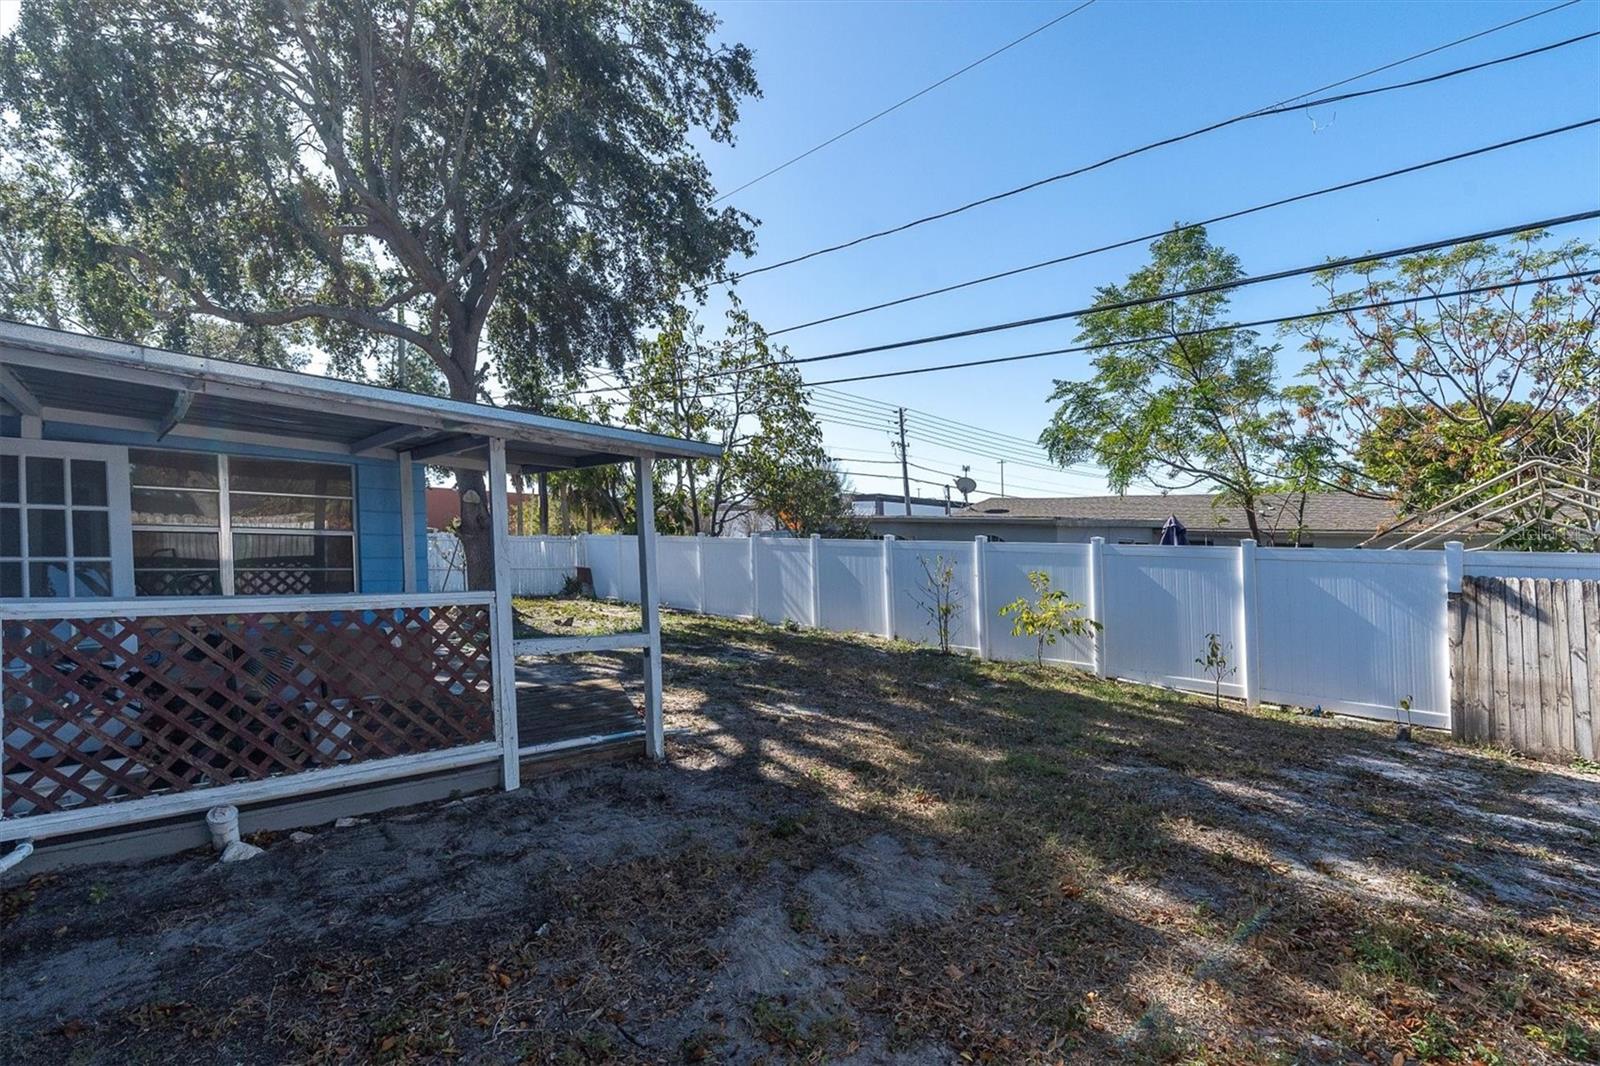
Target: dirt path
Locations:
point(862, 852)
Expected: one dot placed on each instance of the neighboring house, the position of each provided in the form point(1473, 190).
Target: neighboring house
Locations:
point(1328, 519)
point(868, 504)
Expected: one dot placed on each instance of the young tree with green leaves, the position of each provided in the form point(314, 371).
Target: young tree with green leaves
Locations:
point(1170, 403)
point(1048, 617)
point(739, 392)
point(1440, 393)
point(518, 178)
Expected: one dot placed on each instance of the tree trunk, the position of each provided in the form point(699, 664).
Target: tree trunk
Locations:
point(544, 504)
point(1251, 518)
point(477, 535)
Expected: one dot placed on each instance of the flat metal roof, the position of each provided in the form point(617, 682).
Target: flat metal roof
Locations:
point(58, 375)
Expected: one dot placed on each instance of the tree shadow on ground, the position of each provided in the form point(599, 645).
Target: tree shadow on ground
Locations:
point(866, 852)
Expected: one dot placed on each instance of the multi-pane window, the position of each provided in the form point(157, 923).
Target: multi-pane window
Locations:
point(206, 525)
point(293, 527)
point(55, 527)
point(177, 523)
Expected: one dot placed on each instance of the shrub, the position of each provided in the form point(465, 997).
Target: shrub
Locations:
point(1048, 617)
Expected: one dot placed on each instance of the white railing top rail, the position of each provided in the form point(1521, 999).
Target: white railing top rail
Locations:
point(154, 607)
point(1362, 557)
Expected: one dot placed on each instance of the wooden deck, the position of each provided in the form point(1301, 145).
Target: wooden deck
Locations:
point(556, 704)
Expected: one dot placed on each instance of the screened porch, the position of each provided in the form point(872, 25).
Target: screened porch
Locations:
point(210, 589)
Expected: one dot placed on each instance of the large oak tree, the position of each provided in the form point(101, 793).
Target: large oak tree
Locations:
point(502, 185)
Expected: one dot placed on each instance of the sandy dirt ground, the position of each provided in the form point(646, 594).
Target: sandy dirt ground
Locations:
point(862, 852)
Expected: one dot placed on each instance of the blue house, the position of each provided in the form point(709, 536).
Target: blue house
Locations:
point(213, 586)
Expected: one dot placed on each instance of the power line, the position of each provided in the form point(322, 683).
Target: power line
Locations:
point(1034, 458)
point(1431, 51)
point(1202, 290)
point(1300, 317)
point(897, 106)
point(1229, 216)
point(1143, 301)
point(962, 437)
point(951, 422)
point(1164, 142)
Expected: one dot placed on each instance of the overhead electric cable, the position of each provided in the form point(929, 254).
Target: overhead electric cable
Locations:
point(1431, 51)
point(1201, 290)
point(1300, 317)
point(1154, 234)
point(1166, 141)
point(1144, 301)
point(897, 106)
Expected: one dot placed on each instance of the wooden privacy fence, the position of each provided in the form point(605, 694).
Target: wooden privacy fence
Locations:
point(1525, 664)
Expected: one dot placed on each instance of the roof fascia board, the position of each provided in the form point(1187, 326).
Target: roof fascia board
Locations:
point(248, 382)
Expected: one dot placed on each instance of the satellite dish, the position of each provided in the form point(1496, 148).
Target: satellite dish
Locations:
point(965, 485)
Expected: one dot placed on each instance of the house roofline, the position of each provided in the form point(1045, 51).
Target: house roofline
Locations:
point(372, 400)
point(970, 516)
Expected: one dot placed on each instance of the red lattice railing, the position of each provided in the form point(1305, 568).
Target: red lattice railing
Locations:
point(99, 710)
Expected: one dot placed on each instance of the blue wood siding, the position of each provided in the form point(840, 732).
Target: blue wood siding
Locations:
point(378, 552)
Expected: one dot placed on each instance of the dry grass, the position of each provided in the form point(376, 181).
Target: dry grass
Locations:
point(861, 851)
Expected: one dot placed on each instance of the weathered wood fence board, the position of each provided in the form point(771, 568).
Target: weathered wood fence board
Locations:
point(1525, 664)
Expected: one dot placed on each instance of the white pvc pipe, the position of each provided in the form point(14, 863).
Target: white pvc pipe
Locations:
point(16, 855)
point(224, 825)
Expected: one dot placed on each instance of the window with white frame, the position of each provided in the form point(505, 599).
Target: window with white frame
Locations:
point(206, 525)
point(56, 535)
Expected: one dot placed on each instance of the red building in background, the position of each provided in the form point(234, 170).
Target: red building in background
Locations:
point(444, 510)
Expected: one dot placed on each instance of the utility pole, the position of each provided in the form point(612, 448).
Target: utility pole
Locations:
point(905, 470)
point(947, 501)
point(1002, 477)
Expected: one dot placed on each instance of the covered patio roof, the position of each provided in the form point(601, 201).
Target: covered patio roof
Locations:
point(54, 375)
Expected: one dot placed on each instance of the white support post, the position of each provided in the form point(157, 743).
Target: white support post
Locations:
point(505, 662)
point(980, 593)
point(1097, 601)
point(616, 546)
point(888, 586)
point(1249, 625)
point(755, 578)
point(408, 524)
point(649, 607)
point(1452, 566)
point(700, 572)
point(816, 581)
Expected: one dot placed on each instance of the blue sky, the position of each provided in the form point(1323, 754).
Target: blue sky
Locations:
point(1116, 75)
point(1113, 76)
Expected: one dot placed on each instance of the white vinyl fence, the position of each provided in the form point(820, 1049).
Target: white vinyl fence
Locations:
point(540, 566)
point(1349, 630)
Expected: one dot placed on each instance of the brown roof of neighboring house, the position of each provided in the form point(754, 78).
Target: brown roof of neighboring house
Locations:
point(1327, 512)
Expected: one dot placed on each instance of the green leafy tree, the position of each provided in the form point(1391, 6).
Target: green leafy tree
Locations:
point(1171, 405)
point(803, 499)
point(518, 178)
point(1048, 617)
point(1431, 396)
point(1427, 456)
point(738, 392)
